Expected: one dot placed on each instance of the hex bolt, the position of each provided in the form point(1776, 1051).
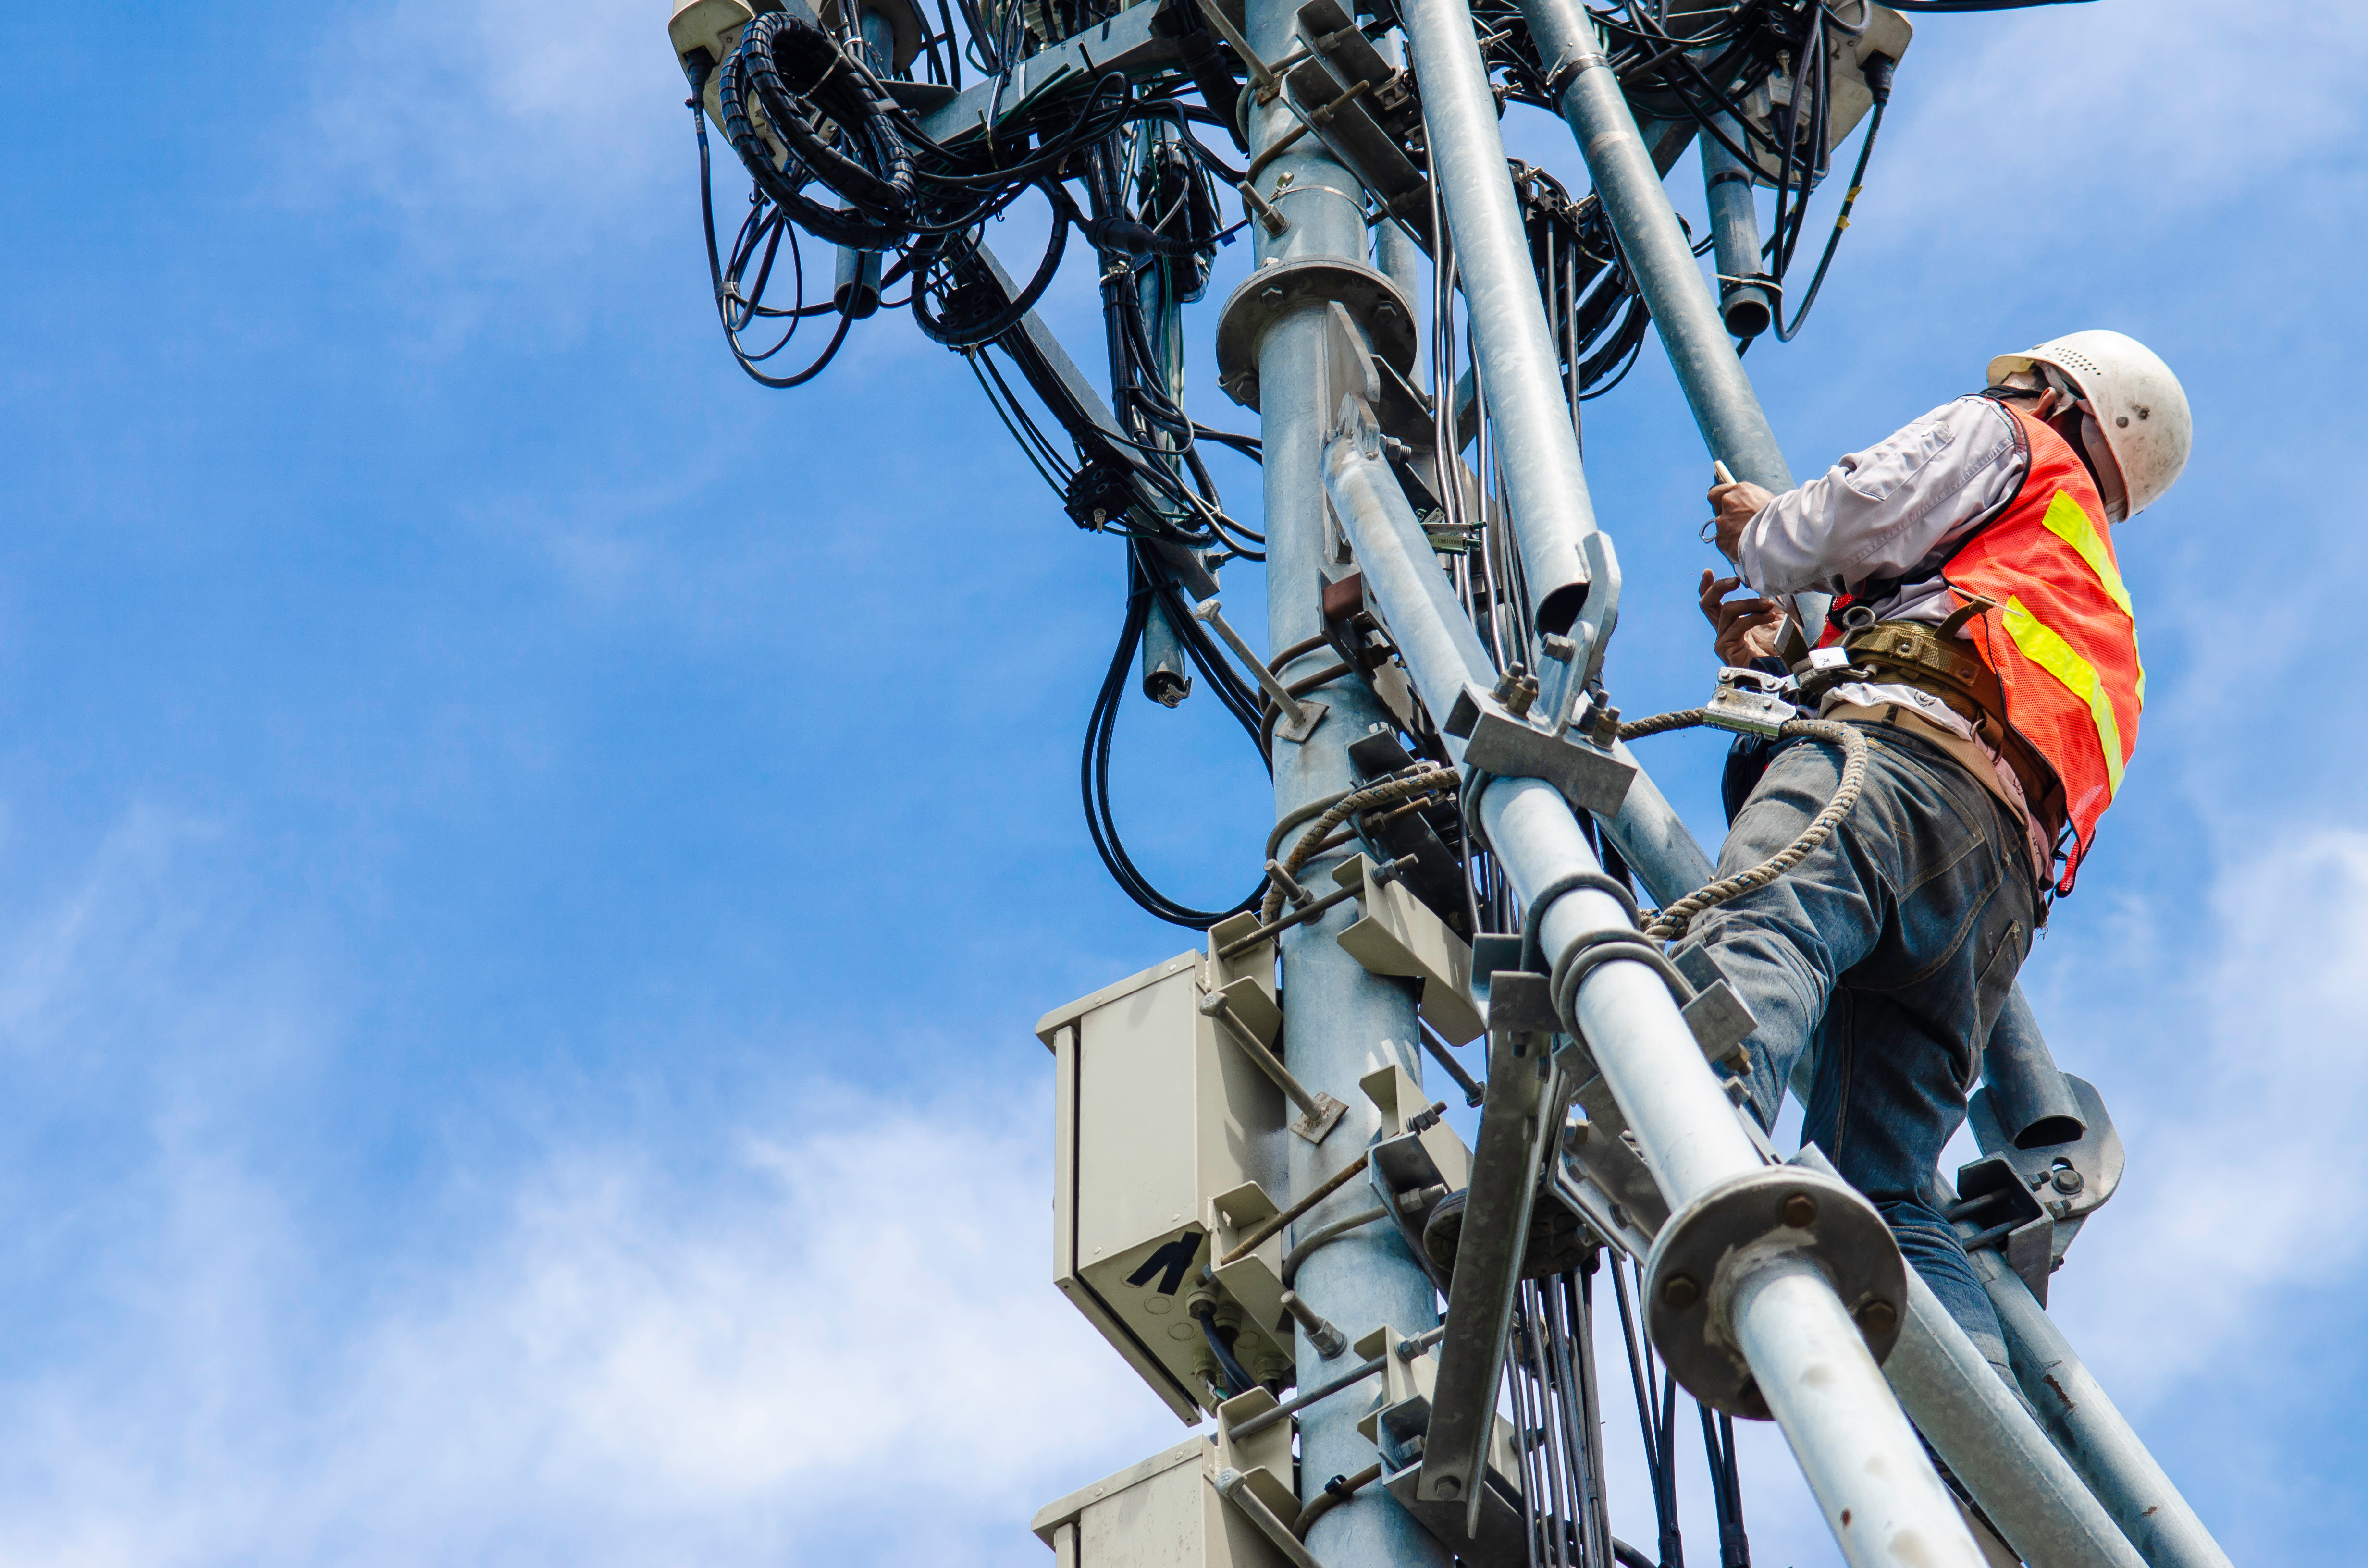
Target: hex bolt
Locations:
point(1517, 689)
point(1800, 1211)
point(1326, 1340)
point(2068, 1180)
point(1681, 1291)
point(1451, 1486)
point(1878, 1317)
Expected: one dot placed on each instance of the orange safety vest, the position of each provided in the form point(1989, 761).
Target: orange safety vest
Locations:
point(2064, 639)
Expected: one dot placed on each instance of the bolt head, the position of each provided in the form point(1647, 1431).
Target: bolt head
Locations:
point(2068, 1180)
point(1878, 1317)
point(1799, 1211)
point(1450, 1486)
point(1271, 293)
point(1681, 1291)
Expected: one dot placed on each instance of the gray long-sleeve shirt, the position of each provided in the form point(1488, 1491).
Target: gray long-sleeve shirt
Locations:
point(1880, 513)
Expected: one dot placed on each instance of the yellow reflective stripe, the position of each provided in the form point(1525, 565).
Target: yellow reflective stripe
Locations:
point(2051, 653)
point(2068, 522)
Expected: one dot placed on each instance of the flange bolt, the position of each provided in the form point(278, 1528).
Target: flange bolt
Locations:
point(1878, 1317)
point(1681, 1291)
point(1800, 1210)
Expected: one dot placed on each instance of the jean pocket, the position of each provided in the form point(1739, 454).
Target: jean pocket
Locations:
point(1996, 978)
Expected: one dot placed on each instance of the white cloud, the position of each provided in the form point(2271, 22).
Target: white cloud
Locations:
point(846, 1336)
point(510, 139)
point(2160, 107)
point(2238, 1089)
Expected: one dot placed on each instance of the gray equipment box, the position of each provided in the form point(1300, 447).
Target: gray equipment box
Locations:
point(1169, 1144)
point(1166, 1513)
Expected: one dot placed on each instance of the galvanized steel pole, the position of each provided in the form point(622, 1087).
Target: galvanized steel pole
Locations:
point(2092, 1433)
point(1658, 258)
point(1340, 1022)
point(1536, 448)
point(2042, 1507)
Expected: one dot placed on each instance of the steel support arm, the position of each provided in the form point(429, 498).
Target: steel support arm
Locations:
point(2092, 1433)
point(1882, 1500)
point(1133, 41)
point(1537, 448)
point(1518, 1123)
point(1195, 577)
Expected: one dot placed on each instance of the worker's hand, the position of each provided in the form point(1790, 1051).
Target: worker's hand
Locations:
point(1732, 507)
point(1744, 630)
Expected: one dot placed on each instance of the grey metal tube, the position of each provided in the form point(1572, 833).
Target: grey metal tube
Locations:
point(1734, 233)
point(1439, 645)
point(1881, 1501)
point(2035, 1106)
point(1990, 1440)
point(1536, 448)
point(1648, 1057)
point(1655, 841)
point(1167, 676)
point(1993, 1446)
point(1724, 406)
point(1868, 1471)
point(2092, 1434)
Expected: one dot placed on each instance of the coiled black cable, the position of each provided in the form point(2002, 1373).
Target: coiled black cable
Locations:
point(1102, 821)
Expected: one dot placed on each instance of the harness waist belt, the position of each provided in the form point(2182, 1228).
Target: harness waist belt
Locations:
point(1908, 653)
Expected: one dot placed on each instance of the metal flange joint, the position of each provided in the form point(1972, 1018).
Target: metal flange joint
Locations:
point(1285, 288)
point(1709, 1248)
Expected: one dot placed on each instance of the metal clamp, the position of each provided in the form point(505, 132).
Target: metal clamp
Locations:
point(1711, 1245)
point(1749, 702)
point(1235, 1488)
point(1497, 742)
point(1320, 1113)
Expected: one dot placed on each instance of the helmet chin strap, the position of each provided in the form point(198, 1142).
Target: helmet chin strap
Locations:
point(2102, 466)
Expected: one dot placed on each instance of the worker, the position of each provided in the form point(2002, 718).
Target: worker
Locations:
point(1992, 666)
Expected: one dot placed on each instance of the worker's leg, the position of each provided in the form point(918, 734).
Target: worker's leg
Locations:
point(1887, 1100)
point(1891, 946)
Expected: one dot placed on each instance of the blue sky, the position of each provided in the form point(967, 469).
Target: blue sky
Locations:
point(527, 862)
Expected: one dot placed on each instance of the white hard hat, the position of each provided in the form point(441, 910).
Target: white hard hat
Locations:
point(2136, 403)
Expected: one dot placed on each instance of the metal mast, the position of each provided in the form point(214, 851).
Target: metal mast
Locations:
point(1450, 782)
point(1340, 1021)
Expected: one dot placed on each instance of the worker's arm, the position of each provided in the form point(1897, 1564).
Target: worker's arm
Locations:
point(1876, 513)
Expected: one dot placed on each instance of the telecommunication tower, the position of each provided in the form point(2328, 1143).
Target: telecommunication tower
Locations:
point(1258, 1204)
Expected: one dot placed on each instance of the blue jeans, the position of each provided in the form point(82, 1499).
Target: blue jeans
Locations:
point(1891, 947)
